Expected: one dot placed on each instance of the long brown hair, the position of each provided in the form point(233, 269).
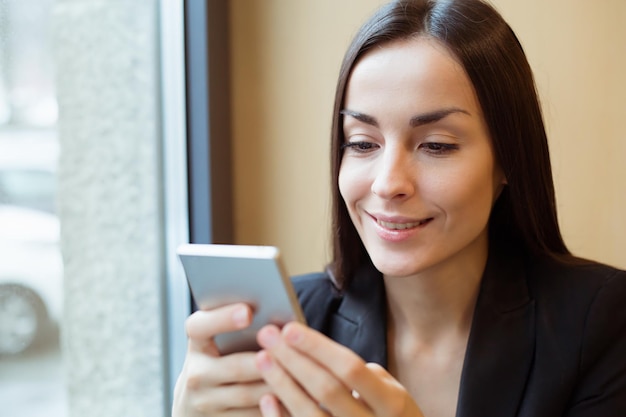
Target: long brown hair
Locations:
point(525, 213)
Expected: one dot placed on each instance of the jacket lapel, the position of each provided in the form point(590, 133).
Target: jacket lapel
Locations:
point(360, 321)
point(501, 343)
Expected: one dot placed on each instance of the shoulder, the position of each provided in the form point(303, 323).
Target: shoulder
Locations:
point(603, 288)
point(581, 311)
point(576, 285)
point(579, 292)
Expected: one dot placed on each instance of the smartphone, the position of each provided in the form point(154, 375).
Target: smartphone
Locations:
point(224, 274)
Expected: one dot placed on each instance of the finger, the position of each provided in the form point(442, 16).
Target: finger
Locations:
point(231, 398)
point(271, 407)
point(241, 412)
point(208, 371)
point(379, 370)
point(317, 381)
point(343, 362)
point(295, 400)
point(390, 387)
point(203, 325)
point(369, 381)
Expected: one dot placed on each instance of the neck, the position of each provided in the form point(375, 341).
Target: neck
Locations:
point(439, 302)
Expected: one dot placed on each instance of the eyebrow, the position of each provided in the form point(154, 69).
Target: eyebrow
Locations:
point(415, 121)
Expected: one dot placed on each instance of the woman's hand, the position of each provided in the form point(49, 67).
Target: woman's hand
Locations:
point(311, 375)
point(214, 385)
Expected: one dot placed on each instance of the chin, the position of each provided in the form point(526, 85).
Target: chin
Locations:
point(397, 269)
point(407, 262)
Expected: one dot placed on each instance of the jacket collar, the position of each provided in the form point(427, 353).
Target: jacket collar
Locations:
point(501, 343)
point(360, 321)
point(502, 339)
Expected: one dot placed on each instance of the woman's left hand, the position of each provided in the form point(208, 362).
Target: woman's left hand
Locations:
point(311, 375)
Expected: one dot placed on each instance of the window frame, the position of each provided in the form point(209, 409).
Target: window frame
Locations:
point(197, 162)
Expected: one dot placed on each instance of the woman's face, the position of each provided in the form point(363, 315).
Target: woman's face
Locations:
point(418, 174)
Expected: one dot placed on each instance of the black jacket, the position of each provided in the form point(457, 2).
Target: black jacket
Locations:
point(547, 339)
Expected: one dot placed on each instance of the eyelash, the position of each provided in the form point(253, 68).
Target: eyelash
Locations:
point(434, 148)
point(360, 147)
point(437, 148)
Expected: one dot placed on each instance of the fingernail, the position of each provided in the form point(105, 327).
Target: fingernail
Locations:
point(268, 406)
point(268, 337)
point(241, 317)
point(292, 334)
point(264, 361)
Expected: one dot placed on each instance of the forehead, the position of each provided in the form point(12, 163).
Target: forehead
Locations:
point(420, 72)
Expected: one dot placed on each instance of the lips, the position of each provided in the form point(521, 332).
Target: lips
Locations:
point(401, 226)
point(398, 229)
point(399, 222)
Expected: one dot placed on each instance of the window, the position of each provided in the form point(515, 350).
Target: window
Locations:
point(31, 270)
point(93, 159)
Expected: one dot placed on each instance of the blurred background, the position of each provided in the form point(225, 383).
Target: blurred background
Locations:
point(31, 272)
point(84, 143)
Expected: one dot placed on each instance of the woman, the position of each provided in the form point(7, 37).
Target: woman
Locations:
point(451, 291)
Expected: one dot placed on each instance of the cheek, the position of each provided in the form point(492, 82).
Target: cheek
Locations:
point(352, 185)
point(466, 193)
point(343, 183)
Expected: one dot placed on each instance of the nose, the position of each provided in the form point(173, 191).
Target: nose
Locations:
point(394, 175)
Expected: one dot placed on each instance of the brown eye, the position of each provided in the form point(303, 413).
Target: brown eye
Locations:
point(437, 148)
point(360, 147)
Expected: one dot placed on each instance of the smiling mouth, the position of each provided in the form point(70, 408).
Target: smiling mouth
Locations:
point(402, 226)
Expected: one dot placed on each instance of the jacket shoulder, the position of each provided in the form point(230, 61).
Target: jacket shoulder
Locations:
point(573, 284)
point(571, 298)
point(602, 389)
point(581, 315)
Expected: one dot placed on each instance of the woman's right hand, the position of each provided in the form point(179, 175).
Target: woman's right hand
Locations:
point(214, 385)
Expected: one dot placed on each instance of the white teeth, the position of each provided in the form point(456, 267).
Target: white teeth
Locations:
point(399, 226)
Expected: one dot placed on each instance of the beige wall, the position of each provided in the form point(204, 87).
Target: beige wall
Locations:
point(286, 56)
point(578, 51)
